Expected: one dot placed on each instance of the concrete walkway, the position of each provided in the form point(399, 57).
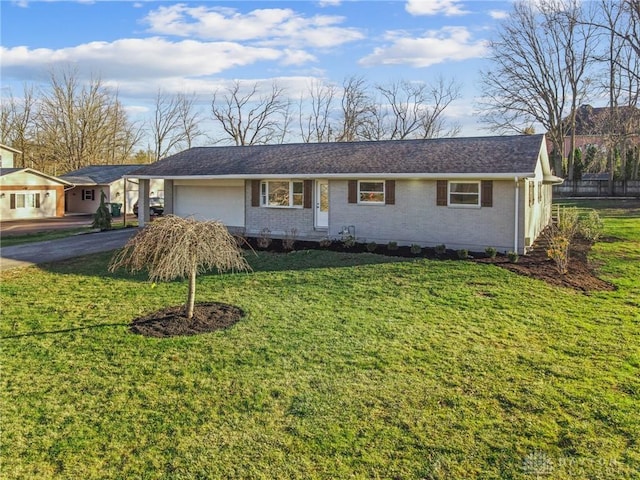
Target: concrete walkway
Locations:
point(63, 248)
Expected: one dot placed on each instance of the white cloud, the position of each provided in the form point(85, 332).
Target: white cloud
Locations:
point(273, 26)
point(446, 44)
point(329, 3)
point(435, 7)
point(149, 57)
point(498, 14)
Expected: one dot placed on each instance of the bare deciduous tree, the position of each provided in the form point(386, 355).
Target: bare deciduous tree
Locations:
point(16, 123)
point(175, 247)
point(81, 124)
point(250, 118)
point(315, 125)
point(176, 123)
point(529, 81)
point(357, 110)
point(415, 110)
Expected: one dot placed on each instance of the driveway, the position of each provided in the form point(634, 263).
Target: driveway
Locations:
point(37, 225)
point(61, 249)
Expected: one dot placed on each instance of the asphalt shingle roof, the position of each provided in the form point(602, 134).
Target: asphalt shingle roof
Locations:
point(99, 174)
point(477, 155)
point(8, 171)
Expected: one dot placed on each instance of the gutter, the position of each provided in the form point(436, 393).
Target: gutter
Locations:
point(516, 215)
point(552, 180)
point(310, 176)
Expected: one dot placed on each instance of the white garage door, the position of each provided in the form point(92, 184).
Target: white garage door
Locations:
point(225, 204)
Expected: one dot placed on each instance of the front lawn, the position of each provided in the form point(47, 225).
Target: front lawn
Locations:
point(345, 366)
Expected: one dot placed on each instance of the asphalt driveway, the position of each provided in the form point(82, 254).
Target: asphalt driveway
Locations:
point(63, 248)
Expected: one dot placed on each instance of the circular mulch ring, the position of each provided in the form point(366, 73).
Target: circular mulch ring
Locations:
point(172, 321)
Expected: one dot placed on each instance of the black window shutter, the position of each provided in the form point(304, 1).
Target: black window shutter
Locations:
point(255, 193)
point(12, 201)
point(353, 191)
point(37, 200)
point(487, 193)
point(390, 192)
point(441, 193)
point(307, 191)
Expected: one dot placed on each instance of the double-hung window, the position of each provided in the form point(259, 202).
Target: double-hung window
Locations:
point(371, 191)
point(464, 194)
point(282, 193)
point(26, 200)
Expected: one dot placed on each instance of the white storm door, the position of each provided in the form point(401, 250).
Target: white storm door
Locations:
point(322, 203)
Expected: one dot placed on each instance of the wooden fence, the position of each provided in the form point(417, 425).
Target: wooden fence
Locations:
point(597, 188)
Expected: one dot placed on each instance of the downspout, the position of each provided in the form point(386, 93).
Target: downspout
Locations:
point(516, 217)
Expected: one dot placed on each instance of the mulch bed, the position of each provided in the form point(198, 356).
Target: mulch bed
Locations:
point(172, 321)
point(580, 276)
point(208, 317)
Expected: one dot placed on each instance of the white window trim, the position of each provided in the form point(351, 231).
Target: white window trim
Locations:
point(264, 194)
point(384, 192)
point(460, 205)
point(28, 201)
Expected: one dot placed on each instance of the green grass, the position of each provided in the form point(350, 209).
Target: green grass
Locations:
point(345, 366)
point(10, 240)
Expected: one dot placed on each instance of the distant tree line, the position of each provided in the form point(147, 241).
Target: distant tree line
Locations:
point(551, 57)
point(69, 124)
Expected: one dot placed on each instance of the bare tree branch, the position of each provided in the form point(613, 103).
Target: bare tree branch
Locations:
point(250, 119)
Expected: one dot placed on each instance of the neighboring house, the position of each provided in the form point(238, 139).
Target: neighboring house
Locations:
point(598, 126)
point(27, 193)
point(461, 192)
point(6, 156)
point(90, 181)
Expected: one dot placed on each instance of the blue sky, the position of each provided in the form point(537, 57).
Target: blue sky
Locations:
point(198, 47)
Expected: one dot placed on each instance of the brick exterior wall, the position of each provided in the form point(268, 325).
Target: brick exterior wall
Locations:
point(278, 220)
point(415, 218)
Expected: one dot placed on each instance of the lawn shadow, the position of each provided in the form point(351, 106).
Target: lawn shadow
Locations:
point(260, 261)
point(64, 330)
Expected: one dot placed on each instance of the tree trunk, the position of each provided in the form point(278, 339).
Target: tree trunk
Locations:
point(191, 300)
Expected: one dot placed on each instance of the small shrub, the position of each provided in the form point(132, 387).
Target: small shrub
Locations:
point(324, 242)
point(416, 249)
point(513, 257)
point(440, 249)
point(591, 226)
point(102, 217)
point(463, 253)
point(264, 240)
point(392, 246)
point(371, 246)
point(289, 240)
point(568, 222)
point(491, 252)
point(348, 241)
point(558, 249)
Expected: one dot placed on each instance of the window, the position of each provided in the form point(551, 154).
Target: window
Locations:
point(532, 192)
point(371, 191)
point(88, 194)
point(540, 197)
point(25, 200)
point(282, 193)
point(464, 194)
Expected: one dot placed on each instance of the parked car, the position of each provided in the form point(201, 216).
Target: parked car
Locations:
point(156, 206)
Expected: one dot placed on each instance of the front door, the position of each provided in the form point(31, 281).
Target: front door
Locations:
point(322, 203)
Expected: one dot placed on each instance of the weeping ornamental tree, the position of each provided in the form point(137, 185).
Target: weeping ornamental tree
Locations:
point(175, 247)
